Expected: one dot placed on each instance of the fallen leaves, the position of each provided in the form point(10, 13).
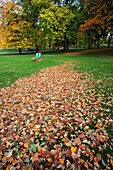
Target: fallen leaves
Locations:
point(73, 149)
point(26, 145)
point(34, 158)
point(56, 119)
point(111, 161)
point(78, 141)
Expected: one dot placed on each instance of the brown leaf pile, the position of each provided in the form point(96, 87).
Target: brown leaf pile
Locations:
point(55, 120)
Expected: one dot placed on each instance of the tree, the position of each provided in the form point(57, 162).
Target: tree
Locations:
point(60, 22)
point(55, 21)
point(31, 11)
point(42, 22)
point(12, 26)
point(100, 19)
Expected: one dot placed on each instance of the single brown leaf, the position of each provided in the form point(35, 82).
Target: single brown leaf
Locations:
point(78, 141)
point(34, 157)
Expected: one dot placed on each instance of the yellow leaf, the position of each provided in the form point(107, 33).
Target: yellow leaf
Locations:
point(49, 160)
point(112, 102)
point(106, 134)
point(93, 151)
point(73, 149)
point(61, 161)
point(100, 124)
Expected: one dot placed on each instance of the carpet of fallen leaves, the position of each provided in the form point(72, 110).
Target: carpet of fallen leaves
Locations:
point(56, 119)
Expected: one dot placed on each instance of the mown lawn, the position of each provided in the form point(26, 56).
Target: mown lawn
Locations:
point(13, 67)
point(60, 118)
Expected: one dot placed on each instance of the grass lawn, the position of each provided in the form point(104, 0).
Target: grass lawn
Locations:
point(100, 66)
point(13, 67)
point(59, 118)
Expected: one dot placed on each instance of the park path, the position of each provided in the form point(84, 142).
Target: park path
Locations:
point(50, 120)
point(100, 51)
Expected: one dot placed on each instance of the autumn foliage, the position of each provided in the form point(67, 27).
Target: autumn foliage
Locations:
point(100, 16)
point(54, 23)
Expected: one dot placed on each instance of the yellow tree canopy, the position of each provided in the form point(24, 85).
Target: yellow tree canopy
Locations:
point(12, 26)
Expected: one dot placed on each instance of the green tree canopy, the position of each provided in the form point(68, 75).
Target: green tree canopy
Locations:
point(26, 23)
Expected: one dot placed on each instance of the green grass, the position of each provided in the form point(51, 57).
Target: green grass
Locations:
point(100, 66)
point(13, 67)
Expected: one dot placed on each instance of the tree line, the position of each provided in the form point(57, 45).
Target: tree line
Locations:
point(55, 23)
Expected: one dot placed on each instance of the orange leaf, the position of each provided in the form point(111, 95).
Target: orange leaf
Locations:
point(8, 168)
point(14, 162)
point(26, 145)
point(56, 155)
point(86, 165)
point(1, 153)
point(4, 159)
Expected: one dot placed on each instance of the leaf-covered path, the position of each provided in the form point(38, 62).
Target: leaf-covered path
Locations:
point(56, 119)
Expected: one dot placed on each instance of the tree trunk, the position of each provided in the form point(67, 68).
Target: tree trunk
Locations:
point(37, 49)
point(66, 44)
point(98, 44)
point(109, 41)
point(90, 41)
point(20, 51)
